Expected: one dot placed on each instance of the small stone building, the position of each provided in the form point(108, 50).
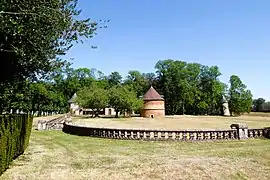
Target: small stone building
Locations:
point(153, 104)
point(75, 109)
point(73, 106)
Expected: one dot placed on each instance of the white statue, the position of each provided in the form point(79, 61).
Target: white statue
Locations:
point(225, 105)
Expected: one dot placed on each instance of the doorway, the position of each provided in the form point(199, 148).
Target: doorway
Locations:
point(110, 111)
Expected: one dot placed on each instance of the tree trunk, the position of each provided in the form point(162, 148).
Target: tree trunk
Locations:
point(97, 113)
point(116, 114)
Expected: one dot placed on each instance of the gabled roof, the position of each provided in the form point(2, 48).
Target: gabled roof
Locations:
point(72, 100)
point(152, 94)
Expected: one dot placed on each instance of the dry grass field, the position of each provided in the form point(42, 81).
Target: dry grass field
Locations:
point(58, 156)
point(54, 155)
point(175, 122)
point(261, 114)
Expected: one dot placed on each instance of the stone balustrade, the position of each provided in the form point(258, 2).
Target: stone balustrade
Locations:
point(237, 132)
point(259, 133)
point(184, 135)
point(54, 124)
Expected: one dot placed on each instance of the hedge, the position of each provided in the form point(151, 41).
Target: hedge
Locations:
point(15, 131)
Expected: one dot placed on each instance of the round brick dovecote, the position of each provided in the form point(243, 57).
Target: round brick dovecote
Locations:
point(153, 104)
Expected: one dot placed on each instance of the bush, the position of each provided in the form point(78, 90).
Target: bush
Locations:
point(15, 131)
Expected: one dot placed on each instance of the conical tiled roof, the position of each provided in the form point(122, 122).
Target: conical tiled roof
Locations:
point(152, 94)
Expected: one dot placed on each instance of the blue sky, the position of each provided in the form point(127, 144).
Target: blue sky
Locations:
point(232, 34)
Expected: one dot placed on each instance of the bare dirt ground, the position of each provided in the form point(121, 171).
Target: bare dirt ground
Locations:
point(175, 122)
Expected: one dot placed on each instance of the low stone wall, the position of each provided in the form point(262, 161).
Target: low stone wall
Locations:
point(259, 133)
point(54, 124)
point(150, 134)
point(183, 135)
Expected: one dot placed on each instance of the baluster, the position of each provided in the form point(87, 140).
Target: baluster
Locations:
point(162, 135)
point(191, 136)
point(147, 135)
point(255, 133)
point(184, 136)
point(155, 135)
point(141, 134)
point(128, 134)
point(170, 137)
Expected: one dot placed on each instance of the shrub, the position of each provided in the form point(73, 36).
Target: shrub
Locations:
point(15, 131)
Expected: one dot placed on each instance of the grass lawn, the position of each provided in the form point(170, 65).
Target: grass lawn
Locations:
point(175, 122)
point(55, 155)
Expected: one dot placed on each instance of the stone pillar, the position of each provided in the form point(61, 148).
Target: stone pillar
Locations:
point(41, 125)
point(242, 130)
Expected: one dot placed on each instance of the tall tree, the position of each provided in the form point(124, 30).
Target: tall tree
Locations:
point(33, 37)
point(114, 78)
point(258, 103)
point(136, 80)
point(124, 99)
point(266, 106)
point(211, 88)
point(34, 34)
point(190, 87)
point(240, 97)
point(93, 97)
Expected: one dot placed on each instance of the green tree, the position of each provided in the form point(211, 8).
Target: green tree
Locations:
point(190, 88)
point(258, 103)
point(114, 78)
point(137, 81)
point(168, 85)
point(211, 89)
point(34, 34)
point(240, 98)
point(124, 99)
point(266, 106)
point(93, 97)
point(178, 83)
point(150, 79)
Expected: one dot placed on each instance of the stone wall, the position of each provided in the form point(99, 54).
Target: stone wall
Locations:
point(183, 135)
point(150, 134)
point(259, 133)
point(54, 124)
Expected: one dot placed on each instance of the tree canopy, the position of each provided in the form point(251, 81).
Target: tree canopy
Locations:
point(93, 97)
point(124, 99)
point(35, 34)
point(258, 103)
point(240, 97)
point(188, 88)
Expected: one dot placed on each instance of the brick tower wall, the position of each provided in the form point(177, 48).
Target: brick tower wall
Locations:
point(155, 108)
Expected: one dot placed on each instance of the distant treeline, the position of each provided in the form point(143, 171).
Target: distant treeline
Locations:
point(260, 105)
point(188, 88)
